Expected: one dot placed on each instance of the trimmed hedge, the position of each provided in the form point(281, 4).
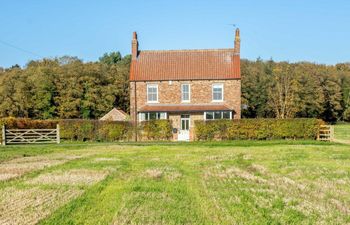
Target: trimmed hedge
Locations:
point(22, 123)
point(244, 129)
point(155, 130)
point(96, 130)
point(258, 129)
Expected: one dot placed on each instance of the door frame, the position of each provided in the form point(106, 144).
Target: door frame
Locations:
point(189, 125)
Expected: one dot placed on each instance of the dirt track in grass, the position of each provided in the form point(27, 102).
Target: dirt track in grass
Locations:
point(20, 166)
point(70, 177)
point(28, 206)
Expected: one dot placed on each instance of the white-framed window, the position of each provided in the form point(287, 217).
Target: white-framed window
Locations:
point(185, 92)
point(217, 115)
point(144, 116)
point(152, 93)
point(218, 92)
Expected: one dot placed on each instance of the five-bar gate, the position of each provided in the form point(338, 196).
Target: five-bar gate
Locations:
point(326, 133)
point(30, 136)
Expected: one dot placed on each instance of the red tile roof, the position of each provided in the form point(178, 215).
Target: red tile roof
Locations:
point(184, 108)
point(186, 65)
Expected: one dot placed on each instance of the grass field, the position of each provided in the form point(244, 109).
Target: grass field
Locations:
point(342, 132)
point(242, 182)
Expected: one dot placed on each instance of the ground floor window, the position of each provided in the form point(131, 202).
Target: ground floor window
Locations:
point(152, 116)
point(217, 115)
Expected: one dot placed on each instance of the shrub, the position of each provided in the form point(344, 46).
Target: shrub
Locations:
point(257, 129)
point(81, 130)
point(94, 130)
point(114, 131)
point(22, 123)
point(346, 115)
point(155, 130)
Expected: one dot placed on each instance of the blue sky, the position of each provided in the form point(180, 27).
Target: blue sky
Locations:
point(290, 30)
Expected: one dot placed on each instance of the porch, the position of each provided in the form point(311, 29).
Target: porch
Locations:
point(182, 116)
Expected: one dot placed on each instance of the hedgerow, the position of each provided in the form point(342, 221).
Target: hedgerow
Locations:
point(22, 123)
point(95, 130)
point(244, 129)
point(155, 130)
point(257, 129)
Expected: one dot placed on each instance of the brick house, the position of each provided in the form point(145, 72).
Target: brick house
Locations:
point(185, 85)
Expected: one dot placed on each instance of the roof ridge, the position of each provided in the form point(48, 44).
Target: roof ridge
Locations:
point(188, 50)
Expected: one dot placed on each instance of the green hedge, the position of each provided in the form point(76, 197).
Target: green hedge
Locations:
point(155, 130)
point(22, 123)
point(257, 129)
point(96, 130)
point(76, 130)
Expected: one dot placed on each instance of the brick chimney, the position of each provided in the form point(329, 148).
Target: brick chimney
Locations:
point(134, 46)
point(237, 42)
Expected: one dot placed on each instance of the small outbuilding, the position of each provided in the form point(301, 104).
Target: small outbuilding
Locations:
point(116, 115)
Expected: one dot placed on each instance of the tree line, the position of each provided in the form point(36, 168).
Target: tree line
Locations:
point(65, 87)
point(288, 90)
point(68, 88)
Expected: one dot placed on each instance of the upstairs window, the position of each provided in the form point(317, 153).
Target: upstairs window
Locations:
point(185, 93)
point(152, 93)
point(218, 92)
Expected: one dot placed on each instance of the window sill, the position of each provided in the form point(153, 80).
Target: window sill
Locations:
point(153, 102)
point(217, 101)
point(185, 101)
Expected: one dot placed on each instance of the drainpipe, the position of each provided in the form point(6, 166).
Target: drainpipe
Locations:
point(135, 112)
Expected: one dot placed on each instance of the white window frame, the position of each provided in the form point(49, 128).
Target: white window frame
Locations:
point(205, 115)
point(222, 94)
point(187, 118)
point(156, 86)
point(142, 116)
point(189, 93)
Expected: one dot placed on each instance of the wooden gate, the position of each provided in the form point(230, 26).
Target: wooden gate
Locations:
point(326, 133)
point(30, 136)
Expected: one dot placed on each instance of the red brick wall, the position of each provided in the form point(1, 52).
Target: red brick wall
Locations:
point(201, 93)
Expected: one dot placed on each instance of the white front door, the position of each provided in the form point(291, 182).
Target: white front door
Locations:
point(184, 132)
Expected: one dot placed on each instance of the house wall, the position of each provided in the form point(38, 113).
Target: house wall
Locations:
point(169, 92)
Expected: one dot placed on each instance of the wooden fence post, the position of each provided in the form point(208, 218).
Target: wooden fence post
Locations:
point(58, 133)
point(3, 135)
point(332, 133)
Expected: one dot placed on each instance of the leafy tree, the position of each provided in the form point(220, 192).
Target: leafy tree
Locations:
point(331, 88)
point(254, 89)
point(310, 92)
point(111, 58)
point(283, 93)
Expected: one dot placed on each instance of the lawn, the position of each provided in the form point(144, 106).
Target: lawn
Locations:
point(342, 132)
point(242, 182)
